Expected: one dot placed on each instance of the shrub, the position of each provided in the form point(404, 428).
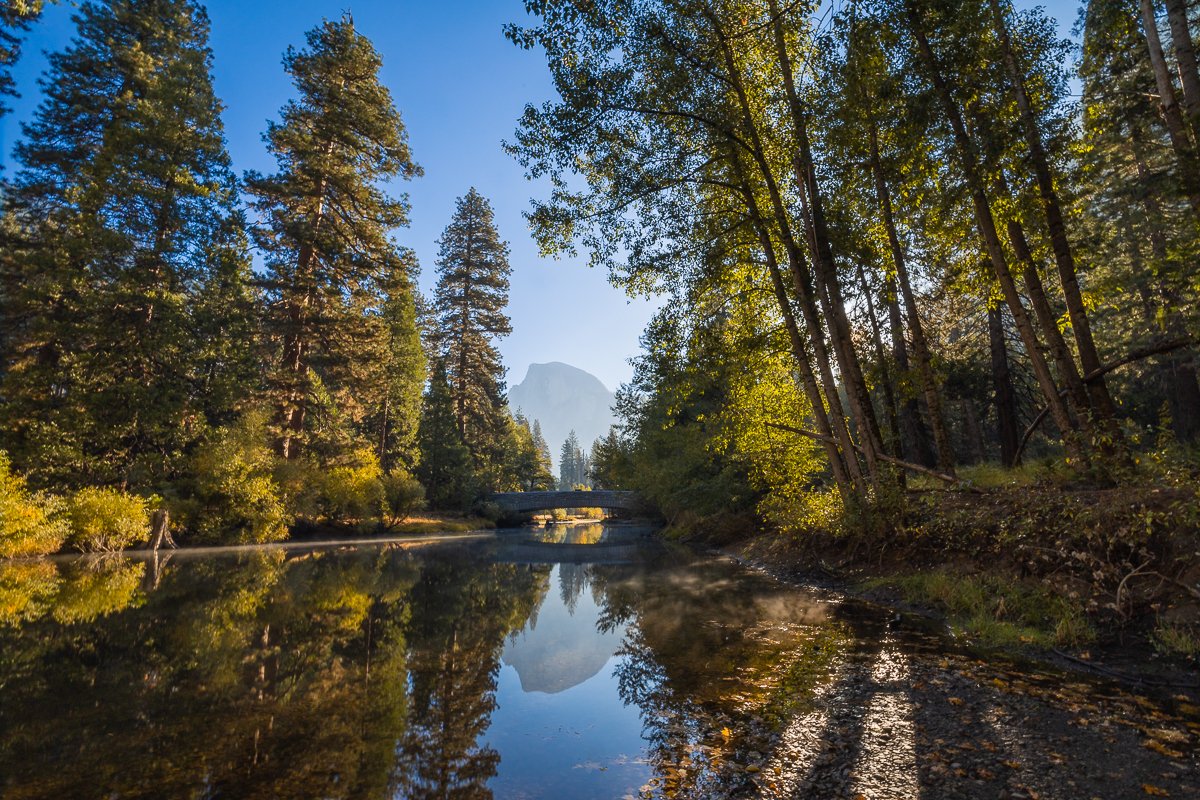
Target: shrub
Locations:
point(104, 519)
point(302, 485)
point(403, 494)
point(238, 497)
point(354, 491)
point(31, 523)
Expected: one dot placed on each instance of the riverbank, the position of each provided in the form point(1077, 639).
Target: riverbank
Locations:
point(1103, 580)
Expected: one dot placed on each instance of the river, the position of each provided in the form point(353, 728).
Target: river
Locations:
point(573, 662)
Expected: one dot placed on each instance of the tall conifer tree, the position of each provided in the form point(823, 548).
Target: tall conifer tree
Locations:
point(122, 218)
point(470, 299)
point(324, 221)
point(445, 470)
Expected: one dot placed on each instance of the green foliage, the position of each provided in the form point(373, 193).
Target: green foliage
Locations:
point(354, 490)
point(120, 219)
point(342, 316)
point(446, 469)
point(104, 519)
point(469, 302)
point(574, 466)
point(236, 497)
point(31, 523)
point(403, 495)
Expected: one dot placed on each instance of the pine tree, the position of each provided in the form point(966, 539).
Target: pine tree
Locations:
point(395, 374)
point(445, 469)
point(539, 442)
point(527, 467)
point(471, 295)
point(573, 464)
point(324, 222)
point(122, 243)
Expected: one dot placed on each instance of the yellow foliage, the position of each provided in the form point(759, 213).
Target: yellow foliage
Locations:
point(30, 522)
point(104, 519)
point(97, 589)
point(27, 589)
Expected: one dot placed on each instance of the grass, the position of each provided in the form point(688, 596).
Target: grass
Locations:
point(995, 476)
point(994, 611)
point(439, 524)
point(1176, 640)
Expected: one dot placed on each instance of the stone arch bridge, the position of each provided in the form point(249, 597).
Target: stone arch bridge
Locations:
point(527, 502)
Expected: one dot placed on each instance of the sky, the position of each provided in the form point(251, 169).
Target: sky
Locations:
point(460, 87)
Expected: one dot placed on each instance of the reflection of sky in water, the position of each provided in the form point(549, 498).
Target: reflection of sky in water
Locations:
point(560, 724)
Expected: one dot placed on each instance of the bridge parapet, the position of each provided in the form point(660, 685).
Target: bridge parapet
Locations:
point(525, 502)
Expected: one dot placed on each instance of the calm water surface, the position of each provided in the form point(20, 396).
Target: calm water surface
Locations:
point(574, 662)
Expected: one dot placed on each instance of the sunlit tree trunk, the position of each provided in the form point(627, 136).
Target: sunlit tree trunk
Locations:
point(822, 251)
point(1048, 321)
point(802, 283)
point(808, 378)
point(900, 438)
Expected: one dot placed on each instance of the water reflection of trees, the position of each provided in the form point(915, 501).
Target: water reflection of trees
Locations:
point(711, 657)
point(263, 676)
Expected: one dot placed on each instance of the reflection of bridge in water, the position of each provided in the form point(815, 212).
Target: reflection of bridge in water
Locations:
point(591, 543)
point(534, 552)
point(526, 502)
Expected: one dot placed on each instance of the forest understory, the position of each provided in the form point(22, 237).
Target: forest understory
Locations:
point(1095, 579)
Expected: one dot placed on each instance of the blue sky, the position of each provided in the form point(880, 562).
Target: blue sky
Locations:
point(460, 87)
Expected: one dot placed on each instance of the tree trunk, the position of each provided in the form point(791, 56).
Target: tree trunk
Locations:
point(1101, 402)
point(1185, 152)
point(974, 429)
point(797, 266)
point(991, 238)
point(897, 441)
point(160, 531)
point(822, 251)
point(1185, 58)
point(916, 329)
point(1005, 398)
point(837, 464)
point(1048, 321)
point(295, 344)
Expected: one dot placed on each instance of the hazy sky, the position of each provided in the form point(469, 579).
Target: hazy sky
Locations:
point(460, 87)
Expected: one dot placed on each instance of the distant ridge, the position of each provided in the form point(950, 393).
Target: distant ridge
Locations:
point(564, 398)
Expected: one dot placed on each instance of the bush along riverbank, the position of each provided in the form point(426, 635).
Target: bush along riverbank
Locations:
point(232, 501)
point(1107, 579)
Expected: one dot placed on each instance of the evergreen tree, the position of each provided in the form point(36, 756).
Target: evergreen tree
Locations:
point(395, 371)
point(609, 458)
point(539, 441)
point(471, 295)
point(122, 242)
point(445, 469)
point(325, 223)
point(573, 465)
point(527, 465)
